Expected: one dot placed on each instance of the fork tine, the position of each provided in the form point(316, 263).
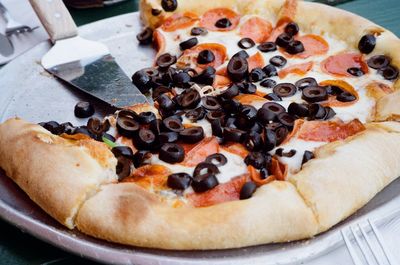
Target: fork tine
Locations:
point(351, 249)
point(378, 236)
point(369, 243)
point(364, 252)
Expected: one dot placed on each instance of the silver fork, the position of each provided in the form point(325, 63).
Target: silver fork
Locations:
point(13, 26)
point(369, 243)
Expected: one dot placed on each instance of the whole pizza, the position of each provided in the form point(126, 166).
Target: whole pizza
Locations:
point(271, 121)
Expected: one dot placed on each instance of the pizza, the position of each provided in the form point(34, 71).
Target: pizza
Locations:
point(271, 121)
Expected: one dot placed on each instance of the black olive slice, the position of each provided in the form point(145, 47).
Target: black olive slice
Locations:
point(247, 88)
point(367, 43)
point(345, 97)
point(67, 128)
point(281, 133)
point(231, 92)
point(268, 83)
point(307, 156)
point(246, 43)
point(270, 140)
point(238, 69)
point(83, 130)
point(298, 110)
point(173, 124)
point(196, 114)
point(127, 126)
point(292, 28)
point(264, 173)
point(206, 77)
point(330, 113)
point(142, 80)
point(286, 119)
point(230, 122)
point(83, 109)
point(333, 90)
point(168, 137)
point(169, 5)
point(242, 54)
point(283, 40)
point(295, 47)
point(190, 98)
point(233, 134)
point(192, 134)
point(189, 43)
point(53, 127)
point(278, 61)
point(205, 57)
point(280, 152)
point(273, 97)
point(216, 159)
point(146, 139)
point(231, 105)
point(253, 141)
point(122, 151)
point(145, 36)
point(248, 112)
point(223, 23)
point(179, 181)
point(255, 159)
point(167, 75)
point(355, 71)
point(317, 112)
point(210, 103)
point(166, 60)
point(267, 47)
point(197, 31)
point(378, 61)
point(124, 166)
point(270, 70)
point(216, 127)
point(171, 153)
point(140, 157)
point(181, 79)
point(256, 75)
point(215, 114)
point(155, 12)
point(166, 103)
point(285, 90)
point(156, 126)
point(97, 127)
point(306, 82)
point(389, 72)
point(204, 183)
point(160, 90)
point(205, 168)
point(269, 111)
point(313, 94)
point(146, 117)
point(257, 127)
point(247, 190)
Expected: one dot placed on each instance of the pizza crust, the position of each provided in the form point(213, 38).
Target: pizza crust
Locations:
point(56, 174)
point(388, 107)
point(126, 213)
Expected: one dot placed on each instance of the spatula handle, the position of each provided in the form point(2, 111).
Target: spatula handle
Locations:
point(55, 18)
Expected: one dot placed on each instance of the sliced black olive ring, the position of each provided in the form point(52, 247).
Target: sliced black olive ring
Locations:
point(255, 159)
point(286, 119)
point(142, 80)
point(247, 88)
point(246, 43)
point(270, 70)
point(283, 40)
point(169, 5)
point(292, 28)
point(146, 139)
point(204, 168)
point(192, 134)
point(273, 97)
point(389, 72)
point(231, 92)
point(378, 61)
point(146, 117)
point(281, 132)
point(307, 156)
point(223, 23)
point(285, 90)
point(124, 167)
point(267, 47)
point(299, 110)
point(190, 98)
point(270, 139)
point(317, 112)
point(204, 183)
point(295, 47)
point(278, 61)
point(168, 137)
point(217, 159)
point(256, 75)
point(156, 126)
point(173, 124)
point(166, 60)
point(98, 127)
point(83, 109)
point(189, 43)
point(165, 103)
point(345, 97)
point(206, 77)
point(314, 94)
point(205, 57)
point(247, 190)
point(268, 83)
point(216, 114)
point(182, 79)
point(122, 151)
point(210, 103)
point(171, 153)
point(179, 181)
point(196, 31)
point(355, 71)
point(145, 36)
point(237, 69)
point(233, 134)
point(196, 114)
point(306, 82)
point(127, 126)
point(253, 141)
point(367, 43)
point(140, 158)
point(242, 54)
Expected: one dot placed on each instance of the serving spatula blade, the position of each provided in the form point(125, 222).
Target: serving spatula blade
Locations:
point(85, 64)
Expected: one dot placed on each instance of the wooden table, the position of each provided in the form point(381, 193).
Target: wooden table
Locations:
point(18, 248)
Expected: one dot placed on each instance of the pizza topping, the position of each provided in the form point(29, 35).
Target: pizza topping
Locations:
point(205, 182)
point(146, 140)
point(179, 21)
point(285, 90)
point(173, 124)
point(122, 151)
point(257, 159)
point(355, 71)
point(217, 159)
point(127, 126)
point(389, 72)
point(267, 47)
point(338, 64)
point(124, 167)
point(269, 111)
point(231, 134)
point(146, 117)
point(313, 45)
point(168, 137)
point(256, 29)
point(206, 77)
point(270, 139)
point(237, 69)
point(270, 70)
point(298, 69)
point(187, 44)
point(246, 117)
point(166, 60)
point(83, 109)
point(205, 168)
point(155, 12)
point(171, 153)
point(286, 119)
point(345, 97)
point(205, 57)
point(298, 110)
point(314, 94)
point(268, 83)
point(247, 190)
point(165, 103)
point(145, 37)
point(210, 103)
point(198, 31)
point(306, 82)
point(246, 43)
point(378, 61)
point(192, 134)
point(273, 97)
point(190, 98)
point(140, 157)
point(97, 127)
point(307, 156)
point(283, 40)
point(292, 29)
point(295, 47)
point(215, 55)
point(169, 5)
point(253, 141)
point(220, 19)
point(179, 181)
point(278, 61)
point(367, 43)
point(280, 152)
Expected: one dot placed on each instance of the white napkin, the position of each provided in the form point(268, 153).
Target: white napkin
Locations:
point(21, 11)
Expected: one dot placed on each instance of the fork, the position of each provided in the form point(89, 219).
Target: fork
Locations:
point(13, 26)
point(366, 238)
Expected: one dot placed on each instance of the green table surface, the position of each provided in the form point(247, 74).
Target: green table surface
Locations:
point(18, 248)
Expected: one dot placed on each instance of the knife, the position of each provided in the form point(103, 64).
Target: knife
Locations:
point(6, 47)
point(85, 64)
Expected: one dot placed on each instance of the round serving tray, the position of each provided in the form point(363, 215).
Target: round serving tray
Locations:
point(27, 91)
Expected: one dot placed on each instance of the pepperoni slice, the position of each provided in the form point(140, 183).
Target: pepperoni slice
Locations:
point(276, 32)
point(332, 101)
point(249, 99)
point(376, 90)
point(256, 176)
point(190, 55)
point(224, 192)
point(256, 28)
point(237, 149)
point(313, 45)
point(159, 42)
point(288, 12)
point(329, 131)
point(256, 60)
point(221, 81)
point(298, 69)
point(209, 19)
point(150, 176)
point(278, 169)
point(199, 153)
point(338, 64)
point(179, 21)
